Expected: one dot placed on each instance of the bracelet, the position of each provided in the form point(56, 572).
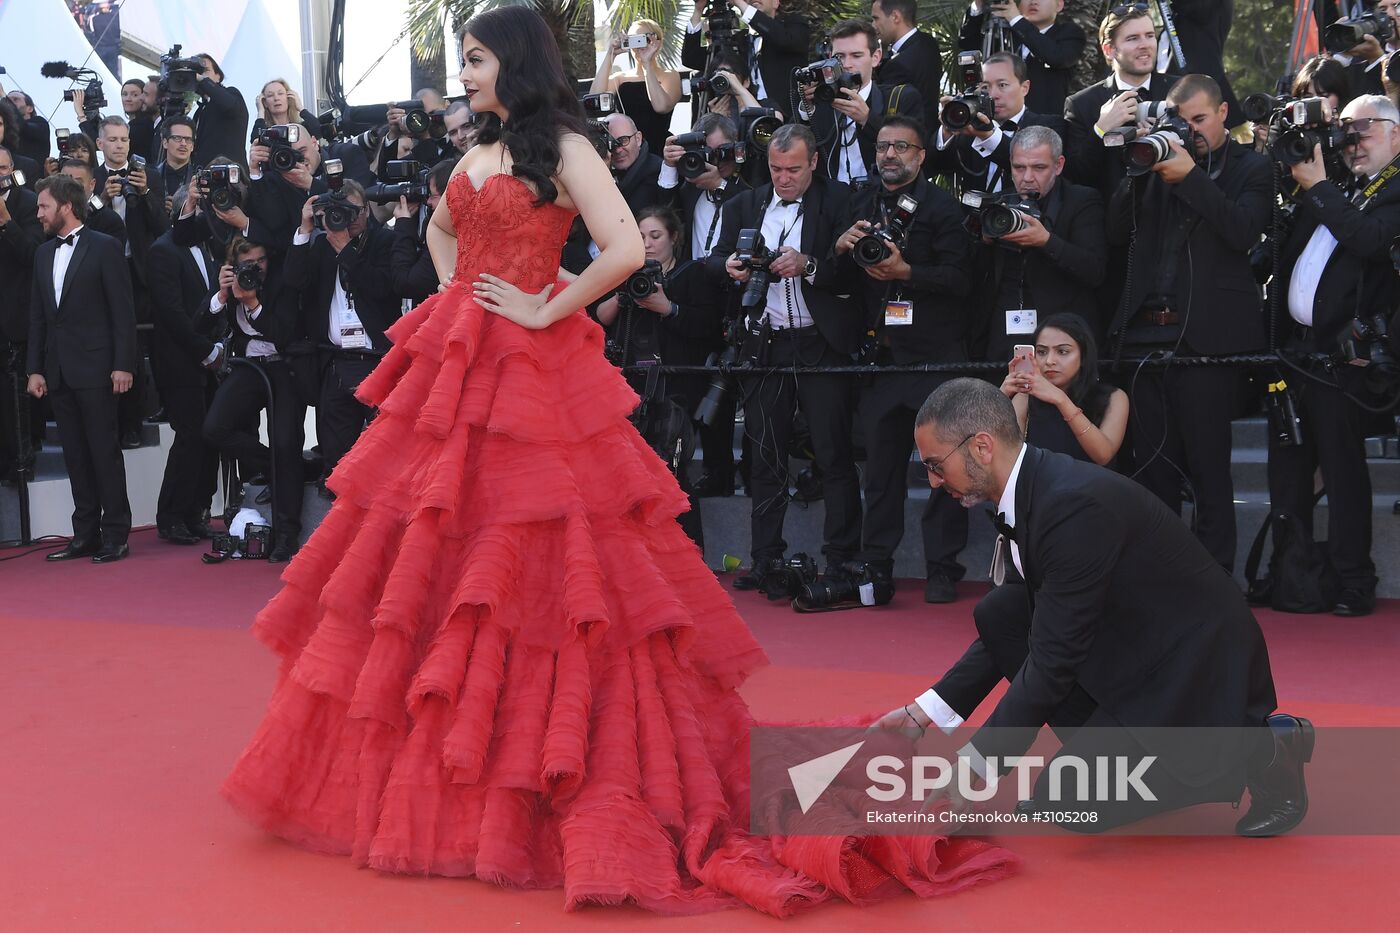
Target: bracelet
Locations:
point(1077, 413)
point(1085, 431)
point(921, 729)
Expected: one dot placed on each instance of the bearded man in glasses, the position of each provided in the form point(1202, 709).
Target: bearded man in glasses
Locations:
point(1338, 284)
point(914, 301)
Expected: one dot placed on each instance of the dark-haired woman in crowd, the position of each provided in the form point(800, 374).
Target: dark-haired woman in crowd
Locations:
point(1062, 404)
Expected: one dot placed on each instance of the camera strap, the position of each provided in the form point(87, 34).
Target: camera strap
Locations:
point(1379, 182)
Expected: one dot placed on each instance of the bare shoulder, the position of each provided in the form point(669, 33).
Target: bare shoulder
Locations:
point(580, 168)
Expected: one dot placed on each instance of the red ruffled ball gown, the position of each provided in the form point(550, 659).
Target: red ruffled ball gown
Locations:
point(501, 656)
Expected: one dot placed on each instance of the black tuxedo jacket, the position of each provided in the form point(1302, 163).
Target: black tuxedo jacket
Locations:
point(685, 196)
point(1129, 606)
point(1215, 286)
point(638, 183)
point(1062, 275)
point(825, 210)
point(1087, 160)
point(936, 249)
point(34, 139)
point(968, 167)
point(19, 239)
point(787, 40)
point(410, 265)
point(146, 218)
point(105, 220)
point(274, 210)
point(180, 303)
point(79, 338)
point(919, 63)
point(1050, 60)
point(907, 102)
point(313, 267)
point(220, 125)
point(279, 321)
point(1359, 274)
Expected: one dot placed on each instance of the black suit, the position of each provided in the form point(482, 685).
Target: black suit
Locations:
point(274, 210)
point(831, 128)
point(220, 124)
point(1193, 242)
point(411, 268)
point(180, 298)
point(1358, 276)
point(363, 269)
point(936, 250)
point(638, 182)
point(77, 339)
point(1130, 626)
point(1050, 57)
point(1203, 27)
point(1087, 160)
point(969, 168)
point(18, 241)
point(919, 62)
point(1062, 275)
point(145, 220)
point(770, 402)
point(34, 139)
point(685, 197)
point(786, 41)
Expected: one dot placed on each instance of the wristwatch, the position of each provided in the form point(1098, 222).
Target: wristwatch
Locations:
point(811, 269)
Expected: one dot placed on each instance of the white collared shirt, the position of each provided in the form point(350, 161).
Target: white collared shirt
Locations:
point(777, 221)
point(899, 43)
point(704, 219)
point(849, 164)
point(61, 258)
point(1122, 85)
point(1307, 273)
point(1007, 505)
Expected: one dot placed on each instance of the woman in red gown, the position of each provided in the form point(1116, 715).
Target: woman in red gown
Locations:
point(501, 656)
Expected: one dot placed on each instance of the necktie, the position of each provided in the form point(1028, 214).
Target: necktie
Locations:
point(1003, 529)
point(789, 203)
point(68, 240)
point(1008, 126)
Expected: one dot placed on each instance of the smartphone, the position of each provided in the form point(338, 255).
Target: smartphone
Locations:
point(636, 42)
point(1023, 358)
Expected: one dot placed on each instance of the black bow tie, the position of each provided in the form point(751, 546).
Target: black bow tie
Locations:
point(789, 203)
point(1008, 126)
point(1003, 529)
point(68, 240)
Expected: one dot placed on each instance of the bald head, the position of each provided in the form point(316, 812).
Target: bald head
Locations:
point(624, 129)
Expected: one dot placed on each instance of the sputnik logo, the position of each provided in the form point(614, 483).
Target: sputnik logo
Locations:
point(811, 778)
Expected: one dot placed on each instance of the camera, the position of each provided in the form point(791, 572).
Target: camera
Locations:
point(996, 31)
point(830, 77)
point(698, 156)
point(1140, 154)
point(716, 84)
point(13, 180)
point(745, 346)
point(134, 163)
point(854, 584)
point(1368, 344)
point(597, 106)
point(1346, 34)
point(874, 248)
point(636, 42)
point(1261, 108)
point(63, 135)
point(721, 23)
point(218, 182)
point(1000, 214)
point(961, 110)
point(642, 283)
point(333, 210)
point(418, 120)
point(1303, 125)
point(283, 155)
point(93, 98)
point(179, 78)
point(757, 126)
point(249, 275)
point(407, 179)
point(753, 254)
point(789, 579)
point(91, 81)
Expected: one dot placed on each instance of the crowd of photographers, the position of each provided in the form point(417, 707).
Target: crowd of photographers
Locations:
point(819, 217)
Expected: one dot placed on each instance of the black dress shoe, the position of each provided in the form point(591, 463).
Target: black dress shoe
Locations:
point(940, 588)
point(75, 548)
point(1278, 795)
point(131, 439)
point(1355, 602)
point(177, 533)
point(283, 550)
point(110, 553)
point(753, 580)
point(710, 485)
point(200, 529)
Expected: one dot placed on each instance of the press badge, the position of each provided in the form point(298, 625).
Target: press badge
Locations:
point(352, 332)
point(899, 313)
point(1020, 321)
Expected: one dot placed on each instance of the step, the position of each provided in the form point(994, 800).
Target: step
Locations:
point(48, 462)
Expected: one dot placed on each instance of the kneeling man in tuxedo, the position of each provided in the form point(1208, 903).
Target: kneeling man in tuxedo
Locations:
point(1125, 634)
point(82, 353)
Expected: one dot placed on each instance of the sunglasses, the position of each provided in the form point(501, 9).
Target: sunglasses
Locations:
point(1361, 125)
point(1123, 9)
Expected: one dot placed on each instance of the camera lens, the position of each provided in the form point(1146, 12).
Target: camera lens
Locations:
point(999, 220)
point(1294, 146)
point(222, 198)
point(956, 114)
point(870, 250)
point(1141, 154)
point(692, 164)
point(284, 158)
point(416, 121)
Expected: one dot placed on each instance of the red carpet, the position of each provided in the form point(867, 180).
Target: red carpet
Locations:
point(129, 689)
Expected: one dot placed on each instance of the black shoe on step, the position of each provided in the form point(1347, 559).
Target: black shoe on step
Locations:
point(753, 579)
point(940, 588)
point(75, 549)
point(1355, 602)
point(1278, 794)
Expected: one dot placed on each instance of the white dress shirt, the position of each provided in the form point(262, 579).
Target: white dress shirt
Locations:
point(1307, 272)
point(341, 309)
point(704, 219)
point(777, 221)
point(899, 43)
point(61, 258)
point(849, 164)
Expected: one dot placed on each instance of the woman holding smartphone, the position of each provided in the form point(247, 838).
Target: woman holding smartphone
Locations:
point(1062, 406)
point(648, 92)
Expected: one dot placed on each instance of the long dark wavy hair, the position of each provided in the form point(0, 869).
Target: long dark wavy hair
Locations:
point(1085, 389)
point(530, 84)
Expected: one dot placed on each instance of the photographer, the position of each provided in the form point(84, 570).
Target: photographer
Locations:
point(776, 46)
point(847, 125)
point(221, 122)
point(399, 143)
point(677, 323)
point(34, 133)
point(803, 321)
point(20, 235)
point(910, 55)
point(461, 130)
point(1192, 219)
point(633, 164)
point(184, 360)
point(914, 301)
point(261, 318)
point(411, 268)
point(1337, 271)
point(348, 301)
point(1129, 43)
point(705, 192)
point(978, 155)
point(1053, 262)
point(176, 167)
point(1050, 47)
point(276, 198)
point(217, 215)
point(648, 93)
point(76, 146)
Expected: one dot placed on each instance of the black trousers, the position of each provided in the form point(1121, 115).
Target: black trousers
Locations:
point(770, 405)
point(192, 466)
point(1186, 412)
point(887, 412)
point(340, 417)
point(92, 454)
point(1334, 440)
point(133, 405)
point(231, 426)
